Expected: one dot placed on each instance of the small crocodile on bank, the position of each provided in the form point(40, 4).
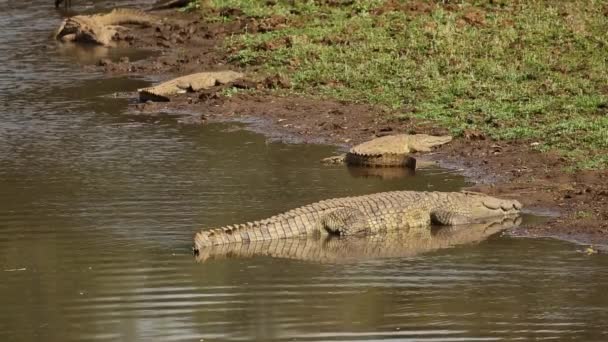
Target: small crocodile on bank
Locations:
point(189, 83)
point(367, 214)
point(101, 29)
point(390, 150)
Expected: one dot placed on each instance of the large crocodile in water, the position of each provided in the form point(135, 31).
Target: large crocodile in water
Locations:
point(368, 214)
point(403, 243)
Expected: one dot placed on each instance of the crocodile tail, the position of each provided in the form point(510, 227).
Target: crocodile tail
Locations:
point(202, 239)
point(297, 222)
point(218, 236)
point(239, 233)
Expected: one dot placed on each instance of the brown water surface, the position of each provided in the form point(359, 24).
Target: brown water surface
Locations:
point(98, 208)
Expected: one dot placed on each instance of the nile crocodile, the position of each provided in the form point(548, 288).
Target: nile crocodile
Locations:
point(188, 83)
point(403, 243)
point(368, 214)
point(100, 28)
point(390, 150)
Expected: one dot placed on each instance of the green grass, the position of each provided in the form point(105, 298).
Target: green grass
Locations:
point(531, 70)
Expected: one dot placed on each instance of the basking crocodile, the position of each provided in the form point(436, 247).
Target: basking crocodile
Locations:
point(391, 150)
point(188, 83)
point(403, 243)
point(100, 28)
point(368, 214)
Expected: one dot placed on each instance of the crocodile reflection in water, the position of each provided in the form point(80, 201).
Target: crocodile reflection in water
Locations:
point(335, 249)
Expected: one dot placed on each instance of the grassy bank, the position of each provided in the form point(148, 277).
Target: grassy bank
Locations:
point(532, 70)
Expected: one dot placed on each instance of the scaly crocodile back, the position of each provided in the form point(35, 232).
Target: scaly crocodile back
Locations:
point(370, 214)
point(393, 150)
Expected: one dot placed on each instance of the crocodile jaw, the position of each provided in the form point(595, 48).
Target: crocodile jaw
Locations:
point(489, 207)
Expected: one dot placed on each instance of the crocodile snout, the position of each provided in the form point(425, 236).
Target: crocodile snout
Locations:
point(508, 206)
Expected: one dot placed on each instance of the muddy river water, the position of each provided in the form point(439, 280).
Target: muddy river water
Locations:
point(98, 208)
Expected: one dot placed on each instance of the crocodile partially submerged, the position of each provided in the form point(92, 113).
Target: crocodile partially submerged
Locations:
point(189, 83)
point(368, 214)
point(390, 150)
point(101, 28)
point(402, 243)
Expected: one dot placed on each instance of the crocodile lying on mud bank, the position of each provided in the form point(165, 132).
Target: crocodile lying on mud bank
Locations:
point(188, 83)
point(402, 243)
point(368, 214)
point(390, 150)
point(101, 28)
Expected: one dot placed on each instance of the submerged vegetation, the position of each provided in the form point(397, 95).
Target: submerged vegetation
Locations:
point(531, 70)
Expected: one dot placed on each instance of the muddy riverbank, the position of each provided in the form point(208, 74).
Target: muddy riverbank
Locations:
point(188, 43)
point(99, 205)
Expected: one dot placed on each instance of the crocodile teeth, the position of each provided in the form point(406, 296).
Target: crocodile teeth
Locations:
point(505, 205)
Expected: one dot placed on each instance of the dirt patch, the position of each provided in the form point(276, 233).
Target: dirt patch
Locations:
point(410, 7)
point(417, 7)
point(508, 169)
point(474, 17)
